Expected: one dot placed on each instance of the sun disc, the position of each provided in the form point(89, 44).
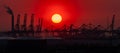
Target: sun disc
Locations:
point(56, 18)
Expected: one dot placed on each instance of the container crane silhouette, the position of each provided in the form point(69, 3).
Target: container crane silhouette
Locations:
point(31, 26)
point(10, 11)
point(17, 26)
point(39, 26)
point(24, 23)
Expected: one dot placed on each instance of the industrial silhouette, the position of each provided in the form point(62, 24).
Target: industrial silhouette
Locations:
point(9, 11)
point(65, 32)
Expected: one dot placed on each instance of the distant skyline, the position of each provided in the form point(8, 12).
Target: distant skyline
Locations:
point(75, 12)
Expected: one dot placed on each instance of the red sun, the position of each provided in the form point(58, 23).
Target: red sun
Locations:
point(56, 18)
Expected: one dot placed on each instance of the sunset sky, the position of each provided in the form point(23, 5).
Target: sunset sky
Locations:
point(75, 12)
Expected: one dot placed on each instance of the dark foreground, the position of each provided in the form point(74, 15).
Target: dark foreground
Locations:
point(57, 46)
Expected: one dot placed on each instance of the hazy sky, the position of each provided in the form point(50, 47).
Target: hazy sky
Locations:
point(73, 11)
